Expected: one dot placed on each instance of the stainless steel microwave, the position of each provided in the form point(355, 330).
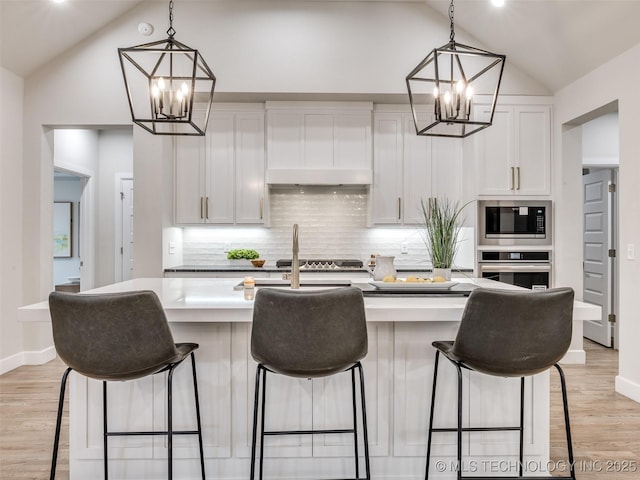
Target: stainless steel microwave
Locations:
point(514, 222)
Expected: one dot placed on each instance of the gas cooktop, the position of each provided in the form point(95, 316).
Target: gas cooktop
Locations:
point(322, 264)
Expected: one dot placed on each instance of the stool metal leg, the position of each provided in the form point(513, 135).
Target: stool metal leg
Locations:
point(433, 402)
point(255, 424)
point(105, 435)
point(355, 421)
point(259, 409)
point(365, 432)
point(521, 456)
point(459, 427)
point(170, 423)
point(262, 415)
point(199, 423)
point(56, 440)
point(567, 425)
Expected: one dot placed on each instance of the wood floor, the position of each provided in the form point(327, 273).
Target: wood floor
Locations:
point(605, 425)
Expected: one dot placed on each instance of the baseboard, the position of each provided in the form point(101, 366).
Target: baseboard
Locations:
point(628, 388)
point(27, 358)
point(574, 357)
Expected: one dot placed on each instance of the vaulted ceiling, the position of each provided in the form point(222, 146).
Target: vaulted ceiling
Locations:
point(553, 41)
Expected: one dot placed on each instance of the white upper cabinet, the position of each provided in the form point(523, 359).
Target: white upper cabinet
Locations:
point(249, 163)
point(219, 168)
point(514, 153)
point(386, 191)
point(190, 179)
point(409, 168)
point(219, 179)
point(318, 143)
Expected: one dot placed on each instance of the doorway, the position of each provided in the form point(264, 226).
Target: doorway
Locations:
point(599, 258)
point(600, 160)
point(124, 227)
point(68, 189)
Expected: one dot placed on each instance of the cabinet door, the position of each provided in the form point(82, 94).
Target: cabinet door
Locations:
point(285, 135)
point(220, 169)
point(533, 150)
point(353, 140)
point(446, 168)
point(249, 167)
point(496, 172)
point(387, 169)
point(417, 172)
point(189, 180)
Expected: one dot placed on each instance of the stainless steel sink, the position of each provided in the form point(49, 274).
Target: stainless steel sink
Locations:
point(309, 283)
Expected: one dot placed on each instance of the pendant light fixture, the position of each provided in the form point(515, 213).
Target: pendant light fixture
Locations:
point(169, 85)
point(443, 88)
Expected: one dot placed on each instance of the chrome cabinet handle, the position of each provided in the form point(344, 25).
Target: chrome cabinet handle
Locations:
point(201, 208)
point(399, 208)
point(518, 168)
point(261, 206)
point(513, 182)
point(206, 208)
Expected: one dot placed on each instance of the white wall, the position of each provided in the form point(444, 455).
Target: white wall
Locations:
point(621, 76)
point(115, 156)
point(11, 219)
point(600, 141)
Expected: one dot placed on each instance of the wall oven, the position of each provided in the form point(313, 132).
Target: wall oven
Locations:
point(528, 269)
point(514, 222)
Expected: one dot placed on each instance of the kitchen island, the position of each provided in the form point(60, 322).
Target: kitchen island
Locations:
point(398, 371)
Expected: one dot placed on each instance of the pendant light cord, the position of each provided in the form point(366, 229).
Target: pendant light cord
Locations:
point(171, 32)
point(452, 35)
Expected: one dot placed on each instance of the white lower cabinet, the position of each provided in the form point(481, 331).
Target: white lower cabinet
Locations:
point(514, 154)
point(398, 372)
point(219, 179)
point(409, 168)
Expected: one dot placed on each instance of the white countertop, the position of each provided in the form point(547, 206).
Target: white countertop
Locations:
point(214, 300)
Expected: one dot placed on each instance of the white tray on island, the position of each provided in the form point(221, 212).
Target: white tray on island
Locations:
point(413, 285)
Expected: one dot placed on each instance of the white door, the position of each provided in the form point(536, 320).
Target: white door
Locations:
point(597, 286)
point(127, 229)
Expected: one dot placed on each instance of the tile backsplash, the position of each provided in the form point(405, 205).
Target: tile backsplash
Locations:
point(332, 224)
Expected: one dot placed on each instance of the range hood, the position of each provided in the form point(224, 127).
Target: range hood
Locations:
point(310, 176)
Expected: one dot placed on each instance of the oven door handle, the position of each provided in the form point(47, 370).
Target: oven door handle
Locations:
point(495, 267)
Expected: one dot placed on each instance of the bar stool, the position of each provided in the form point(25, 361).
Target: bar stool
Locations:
point(508, 333)
point(309, 335)
point(118, 337)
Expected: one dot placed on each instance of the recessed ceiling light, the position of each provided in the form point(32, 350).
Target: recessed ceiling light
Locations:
point(498, 3)
point(58, 1)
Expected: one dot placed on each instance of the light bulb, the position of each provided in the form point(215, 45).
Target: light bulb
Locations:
point(447, 97)
point(469, 91)
point(460, 86)
point(498, 3)
point(161, 85)
point(436, 92)
point(185, 89)
point(179, 95)
point(155, 91)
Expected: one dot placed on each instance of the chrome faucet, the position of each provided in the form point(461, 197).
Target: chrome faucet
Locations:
point(295, 264)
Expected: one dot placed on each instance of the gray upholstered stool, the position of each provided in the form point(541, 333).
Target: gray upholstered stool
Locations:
point(309, 335)
point(508, 333)
point(116, 337)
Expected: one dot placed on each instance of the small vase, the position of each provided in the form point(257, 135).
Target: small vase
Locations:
point(442, 272)
point(384, 267)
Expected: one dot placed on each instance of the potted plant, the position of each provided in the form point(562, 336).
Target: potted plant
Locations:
point(245, 254)
point(442, 223)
